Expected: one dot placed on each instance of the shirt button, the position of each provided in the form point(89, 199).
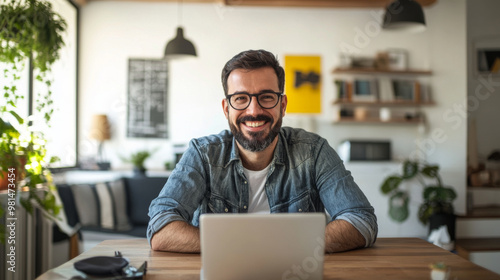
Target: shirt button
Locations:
point(244, 207)
point(300, 210)
point(245, 182)
point(226, 210)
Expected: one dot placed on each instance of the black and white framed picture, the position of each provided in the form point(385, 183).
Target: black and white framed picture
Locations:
point(147, 98)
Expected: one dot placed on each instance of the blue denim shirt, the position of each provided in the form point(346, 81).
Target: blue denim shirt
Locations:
point(306, 175)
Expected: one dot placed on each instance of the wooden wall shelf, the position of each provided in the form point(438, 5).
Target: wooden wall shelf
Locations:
point(383, 104)
point(320, 3)
point(380, 71)
point(347, 120)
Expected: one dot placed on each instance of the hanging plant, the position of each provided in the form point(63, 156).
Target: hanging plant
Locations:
point(29, 31)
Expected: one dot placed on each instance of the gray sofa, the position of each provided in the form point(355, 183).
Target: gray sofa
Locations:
point(109, 210)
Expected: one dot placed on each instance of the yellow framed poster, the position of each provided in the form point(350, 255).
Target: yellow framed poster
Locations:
point(303, 84)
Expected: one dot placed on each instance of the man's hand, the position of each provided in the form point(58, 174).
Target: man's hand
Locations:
point(340, 236)
point(177, 236)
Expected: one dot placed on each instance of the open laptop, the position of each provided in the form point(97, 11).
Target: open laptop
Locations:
point(260, 246)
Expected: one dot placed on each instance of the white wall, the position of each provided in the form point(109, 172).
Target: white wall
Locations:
point(112, 32)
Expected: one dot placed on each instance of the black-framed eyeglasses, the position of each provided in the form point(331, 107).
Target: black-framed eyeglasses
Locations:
point(266, 99)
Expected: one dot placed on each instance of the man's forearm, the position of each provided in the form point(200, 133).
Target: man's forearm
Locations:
point(177, 236)
point(340, 236)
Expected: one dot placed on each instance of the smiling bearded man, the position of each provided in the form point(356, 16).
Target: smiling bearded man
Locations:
point(259, 167)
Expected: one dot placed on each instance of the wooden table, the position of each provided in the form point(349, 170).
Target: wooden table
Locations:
point(390, 258)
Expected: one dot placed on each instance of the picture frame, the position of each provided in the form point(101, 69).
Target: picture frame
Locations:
point(147, 108)
point(405, 90)
point(398, 59)
point(364, 90)
point(487, 56)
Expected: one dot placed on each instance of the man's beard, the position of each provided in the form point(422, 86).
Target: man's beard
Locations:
point(257, 141)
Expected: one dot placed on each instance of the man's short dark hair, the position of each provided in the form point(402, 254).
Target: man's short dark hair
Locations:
point(250, 60)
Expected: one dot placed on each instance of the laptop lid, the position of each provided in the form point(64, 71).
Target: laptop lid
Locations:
point(260, 246)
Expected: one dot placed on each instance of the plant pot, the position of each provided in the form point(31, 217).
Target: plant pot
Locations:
point(437, 220)
point(139, 172)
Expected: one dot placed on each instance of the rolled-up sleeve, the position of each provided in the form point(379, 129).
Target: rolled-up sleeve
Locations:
point(342, 197)
point(181, 195)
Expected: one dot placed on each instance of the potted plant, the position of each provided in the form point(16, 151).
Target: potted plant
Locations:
point(437, 206)
point(29, 30)
point(137, 159)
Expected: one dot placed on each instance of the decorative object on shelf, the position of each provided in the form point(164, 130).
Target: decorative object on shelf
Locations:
point(404, 15)
point(362, 62)
point(345, 60)
point(437, 206)
point(398, 59)
point(382, 60)
point(32, 33)
point(385, 114)
point(179, 47)
point(101, 132)
point(137, 159)
point(360, 113)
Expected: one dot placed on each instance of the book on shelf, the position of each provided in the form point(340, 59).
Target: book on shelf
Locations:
point(344, 90)
point(386, 91)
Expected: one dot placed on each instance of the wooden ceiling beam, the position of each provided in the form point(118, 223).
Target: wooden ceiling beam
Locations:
point(320, 3)
point(282, 3)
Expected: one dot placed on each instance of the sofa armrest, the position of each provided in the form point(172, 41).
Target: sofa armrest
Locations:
point(68, 202)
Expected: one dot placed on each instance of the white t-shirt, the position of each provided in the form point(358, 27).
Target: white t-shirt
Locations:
point(257, 190)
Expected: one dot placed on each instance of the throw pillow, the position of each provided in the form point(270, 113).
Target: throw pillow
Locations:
point(86, 205)
point(102, 205)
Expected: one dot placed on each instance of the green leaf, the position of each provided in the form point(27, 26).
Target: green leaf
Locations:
point(398, 207)
point(425, 211)
point(18, 118)
point(390, 184)
point(410, 169)
point(431, 171)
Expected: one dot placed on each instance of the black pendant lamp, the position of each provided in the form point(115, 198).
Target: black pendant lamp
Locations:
point(404, 15)
point(179, 47)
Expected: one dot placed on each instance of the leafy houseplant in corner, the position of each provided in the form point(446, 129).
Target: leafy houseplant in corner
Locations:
point(29, 31)
point(437, 202)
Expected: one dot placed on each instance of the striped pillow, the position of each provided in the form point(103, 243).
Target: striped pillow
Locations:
point(103, 205)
